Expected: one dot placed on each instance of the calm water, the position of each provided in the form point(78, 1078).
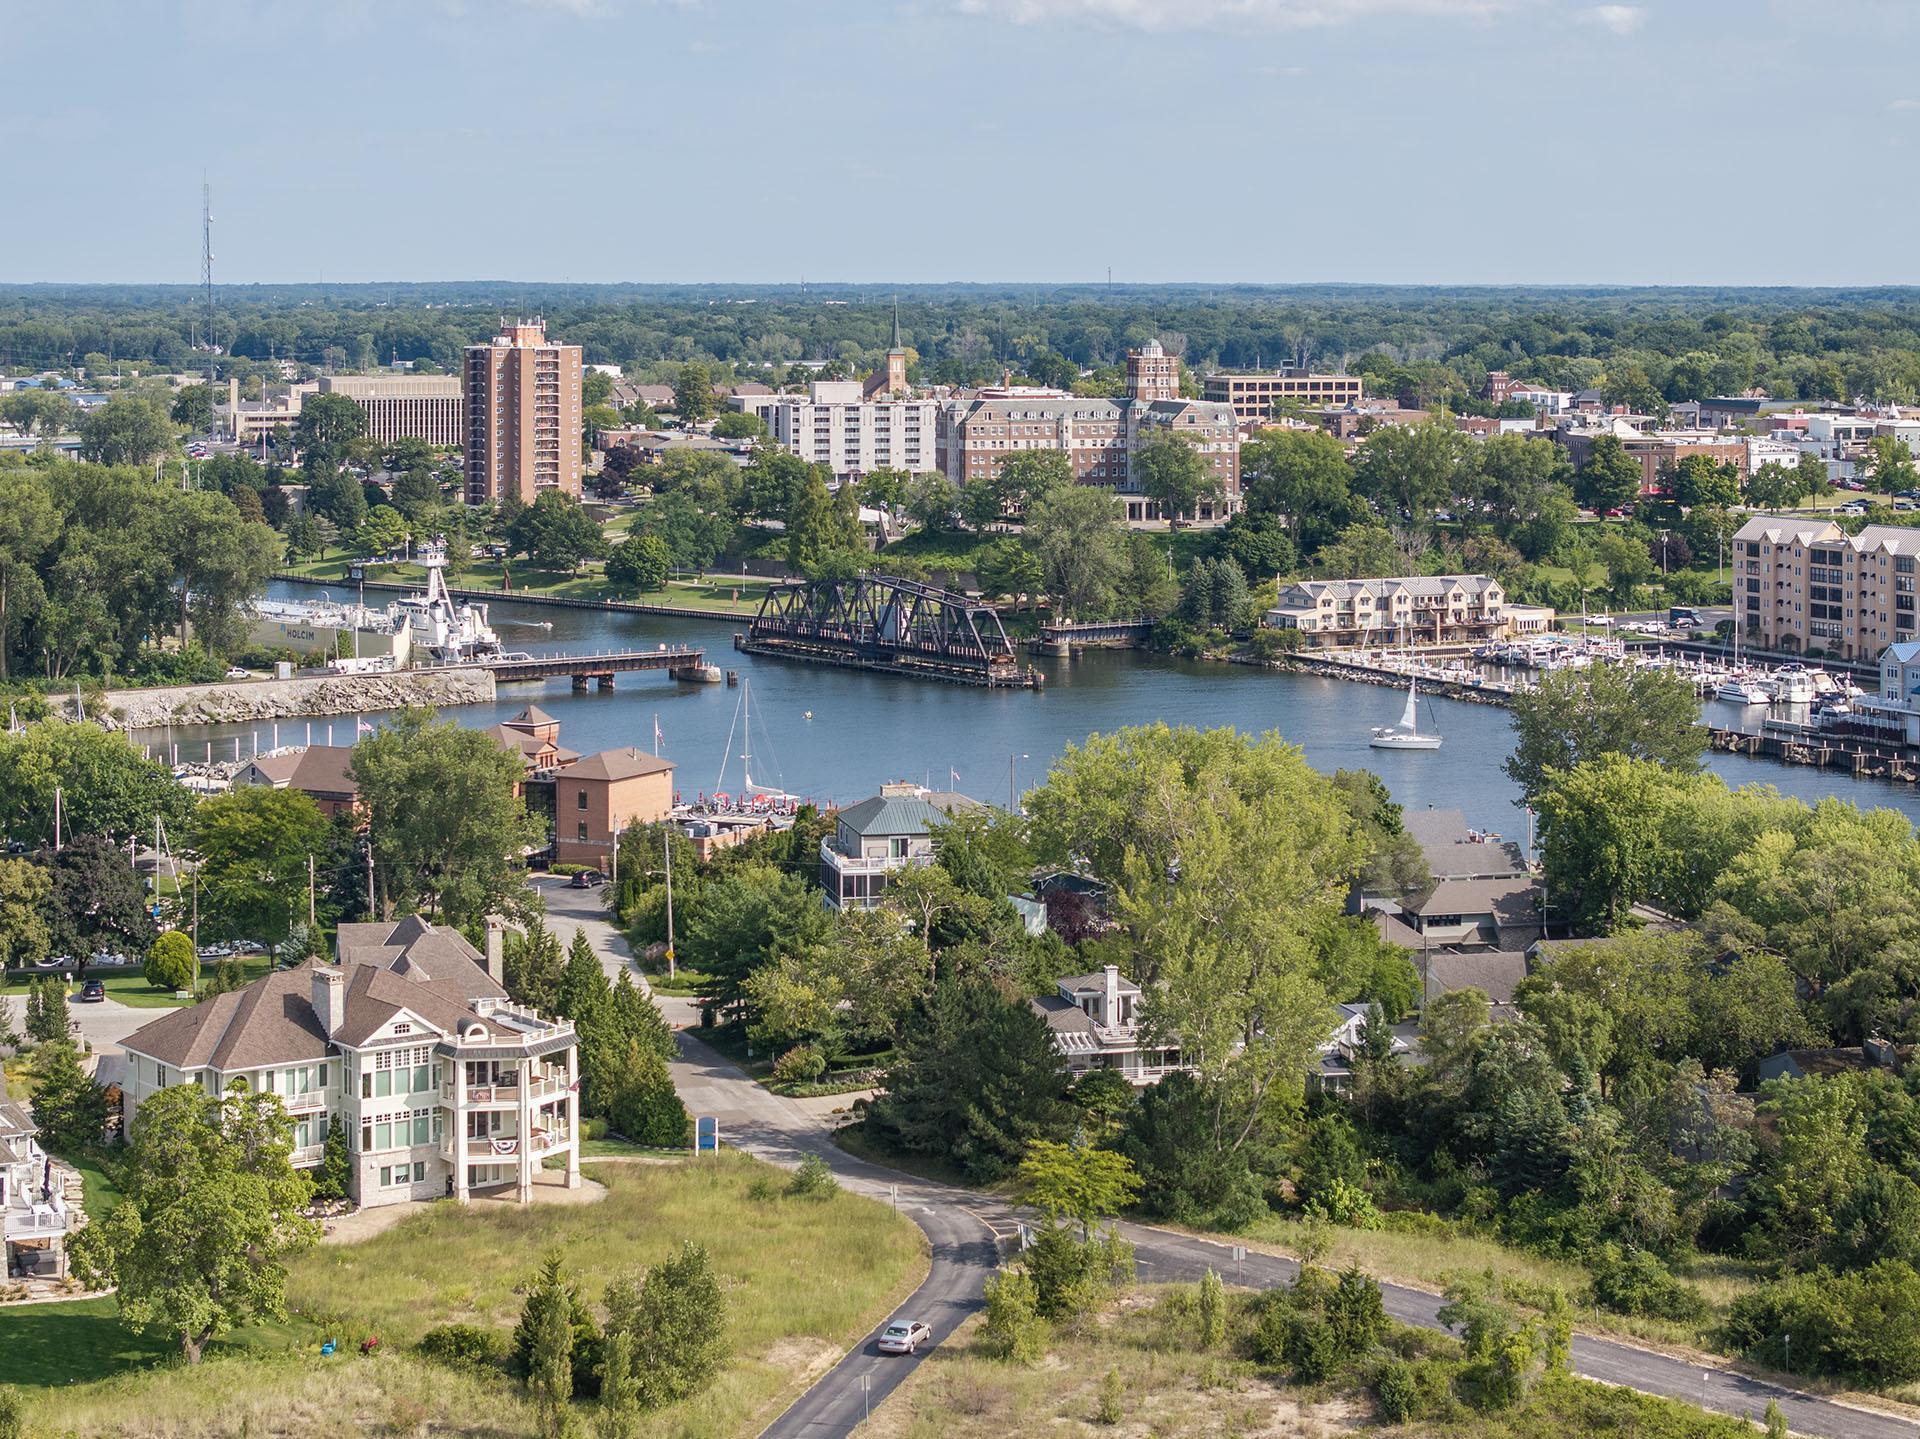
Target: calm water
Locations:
point(869, 728)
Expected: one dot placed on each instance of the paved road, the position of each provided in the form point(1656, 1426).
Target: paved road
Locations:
point(570, 909)
point(961, 1228)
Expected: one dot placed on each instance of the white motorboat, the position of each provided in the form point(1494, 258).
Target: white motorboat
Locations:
point(1793, 685)
point(1406, 734)
point(1736, 690)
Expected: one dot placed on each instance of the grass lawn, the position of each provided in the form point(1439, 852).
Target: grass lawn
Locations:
point(685, 983)
point(803, 1279)
point(99, 1192)
point(719, 592)
point(612, 1148)
point(1172, 1388)
point(130, 987)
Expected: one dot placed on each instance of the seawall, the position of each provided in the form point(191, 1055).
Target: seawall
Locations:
point(240, 701)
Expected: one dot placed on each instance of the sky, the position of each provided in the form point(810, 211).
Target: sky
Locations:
point(1217, 141)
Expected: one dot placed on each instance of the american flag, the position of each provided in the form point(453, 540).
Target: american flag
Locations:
point(362, 727)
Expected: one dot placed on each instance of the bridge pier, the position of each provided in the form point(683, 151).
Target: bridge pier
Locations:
point(579, 684)
point(603, 683)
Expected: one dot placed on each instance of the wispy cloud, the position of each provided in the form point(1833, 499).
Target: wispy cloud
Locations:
point(1229, 14)
point(1905, 105)
point(1621, 19)
point(1281, 72)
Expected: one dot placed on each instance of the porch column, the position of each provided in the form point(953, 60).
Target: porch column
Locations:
point(571, 1107)
point(457, 1131)
point(523, 1189)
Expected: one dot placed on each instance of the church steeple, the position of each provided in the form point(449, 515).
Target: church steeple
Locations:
point(896, 322)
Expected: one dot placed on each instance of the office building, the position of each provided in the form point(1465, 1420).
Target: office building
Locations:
point(1254, 396)
point(523, 416)
point(404, 407)
point(1803, 586)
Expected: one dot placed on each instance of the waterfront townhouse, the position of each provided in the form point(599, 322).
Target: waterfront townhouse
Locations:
point(441, 1084)
point(1416, 609)
point(1805, 586)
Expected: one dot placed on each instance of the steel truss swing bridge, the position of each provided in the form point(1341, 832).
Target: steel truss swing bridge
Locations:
point(878, 622)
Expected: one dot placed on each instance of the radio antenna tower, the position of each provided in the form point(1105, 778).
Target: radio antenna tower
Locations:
point(206, 276)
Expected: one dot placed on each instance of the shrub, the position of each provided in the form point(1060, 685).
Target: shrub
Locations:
point(171, 963)
point(595, 1128)
point(1344, 1202)
point(676, 1324)
point(1864, 1324)
point(812, 1180)
point(462, 1346)
point(1013, 1330)
point(1072, 1276)
point(803, 1064)
point(13, 1415)
point(1632, 1281)
point(1396, 1392)
point(1212, 1310)
point(1113, 1394)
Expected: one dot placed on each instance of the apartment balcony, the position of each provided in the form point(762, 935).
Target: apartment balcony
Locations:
point(509, 1092)
point(863, 864)
point(311, 1102)
point(306, 1154)
point(496, 1148)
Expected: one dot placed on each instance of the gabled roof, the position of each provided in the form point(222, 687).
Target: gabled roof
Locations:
point(270, 1021)
point(532, 715)
point(406, 965)
point(619, 764)
point(317, 769)
point(1493, 972)
point(1094, 983)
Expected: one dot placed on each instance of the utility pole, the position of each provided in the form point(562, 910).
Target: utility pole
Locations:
point(309, 896)
point(1013, 798)
point(56, 819)
point(370, 912)
point(666, 848)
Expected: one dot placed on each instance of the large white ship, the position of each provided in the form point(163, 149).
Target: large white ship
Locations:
point(424, 629)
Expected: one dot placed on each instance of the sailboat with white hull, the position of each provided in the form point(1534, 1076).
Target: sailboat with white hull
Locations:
point(1406, 734)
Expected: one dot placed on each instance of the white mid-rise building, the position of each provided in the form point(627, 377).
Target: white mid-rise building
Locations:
point(836, 425)
point(441, 1084)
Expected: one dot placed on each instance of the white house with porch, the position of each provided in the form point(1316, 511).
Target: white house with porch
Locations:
point(443, 1085)
point(1095, 1023)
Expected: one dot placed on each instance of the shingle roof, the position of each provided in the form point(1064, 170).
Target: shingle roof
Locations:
point(270, 1021)
point(407, 964)
point(1095, 982)
point(533, 715)
point(317, 769)
point(619, 764)
point(1494, 972)
point(1509, 900)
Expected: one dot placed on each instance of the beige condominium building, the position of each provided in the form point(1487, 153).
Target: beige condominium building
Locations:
point(1802, 585)
point(523, 416)
point(404, 407)
point(442, 1085)
point(1254, 396)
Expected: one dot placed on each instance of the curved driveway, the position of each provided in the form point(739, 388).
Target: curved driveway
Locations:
point(962, 1229)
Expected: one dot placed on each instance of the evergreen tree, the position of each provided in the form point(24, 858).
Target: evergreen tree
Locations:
point(644, 1106)
point(69, 1107)
point(330, 1181)
point(48, 1018)
point(530, 965)
point(977, 1078)
point(582, 986)
point(676, 1321)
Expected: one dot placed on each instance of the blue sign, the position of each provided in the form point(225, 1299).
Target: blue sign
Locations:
point(706, 1135)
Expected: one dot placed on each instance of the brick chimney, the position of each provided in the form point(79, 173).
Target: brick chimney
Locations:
point(329, 996)
point(1110, 999)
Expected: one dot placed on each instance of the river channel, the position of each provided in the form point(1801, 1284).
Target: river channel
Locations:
point(835, 734)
